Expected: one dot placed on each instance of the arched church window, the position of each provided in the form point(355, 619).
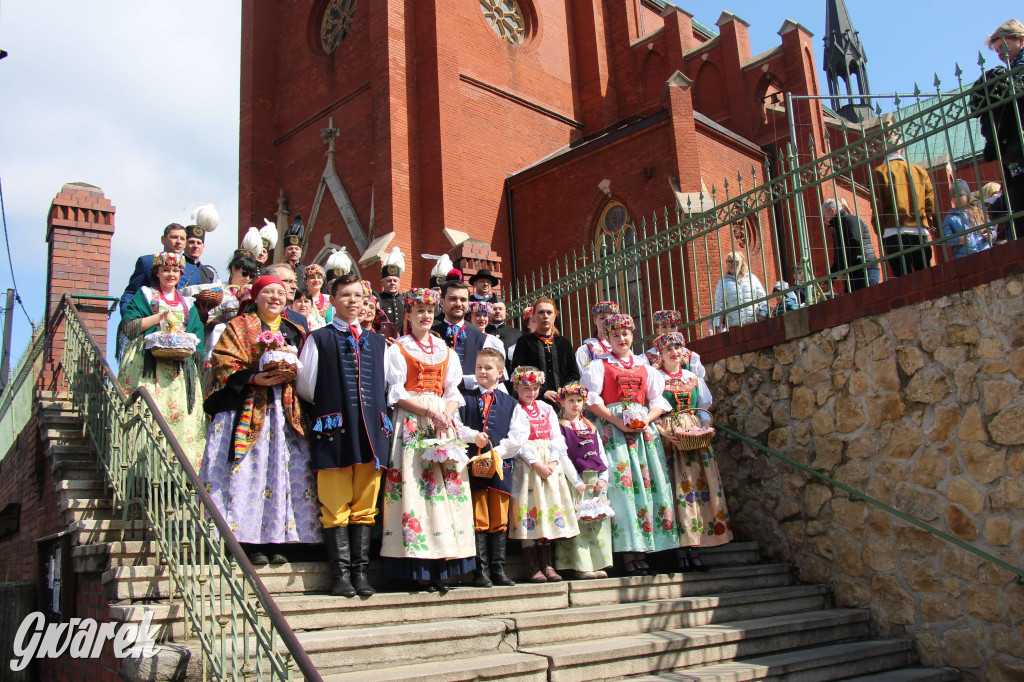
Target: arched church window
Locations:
point(615, 232)
point(334, 26)
point(506, 19)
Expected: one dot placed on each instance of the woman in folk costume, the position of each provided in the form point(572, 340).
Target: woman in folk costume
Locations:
point(257, 463)
point(626, 396)
point(313, 276)
point(702, 517)
point(158, 312)
point(668, 322)
point(547, 350)
point(590, 552)
point(542, 503)
point(428, 516)
point(597, 345)
point(268, 235)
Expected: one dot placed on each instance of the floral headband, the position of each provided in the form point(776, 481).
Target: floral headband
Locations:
point(527, 314)
point(367, 288)
point(480, 307)
point(669, 340)
point(527, 377)
point(420, 297)
point(609, 307)
point(618, 321)
point(171, 260)
point(667, 317)
point(313, 271)
point(575, 388)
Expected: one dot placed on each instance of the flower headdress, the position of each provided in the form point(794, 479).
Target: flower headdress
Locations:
point(668, 340)
point(527, 377)
point(610, 307)
point(667, 317)
point(367, 288)
point(481, 307)
point(171, 260)
point(575, 388)
point(420, 297)
point(618, 321)
point(313, 270)
point(527, 314)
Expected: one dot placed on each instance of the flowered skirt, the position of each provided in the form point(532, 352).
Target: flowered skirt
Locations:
point(541, 509)
point(428, 514)
point(168, 390)
point(268, 496)
point(639, 489)
point(702, 517)
point(591, 550)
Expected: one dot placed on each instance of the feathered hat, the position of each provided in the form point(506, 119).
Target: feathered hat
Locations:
point(393, 265)
point(338, 263)
point(441, 268)
point(269, 234)
point(204, 219)
point(251, 242)
point(296, 230)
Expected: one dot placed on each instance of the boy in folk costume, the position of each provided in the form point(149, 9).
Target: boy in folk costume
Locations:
point(342, 376)
point(491, 420)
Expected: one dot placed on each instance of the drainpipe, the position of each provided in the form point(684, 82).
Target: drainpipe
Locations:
point(511, 232)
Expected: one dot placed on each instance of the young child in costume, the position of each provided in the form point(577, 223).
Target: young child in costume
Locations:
point(626, 396)
point(590, 552)
point(322, 312)
point(492, 421)
point(597, 345)
point(542, 503)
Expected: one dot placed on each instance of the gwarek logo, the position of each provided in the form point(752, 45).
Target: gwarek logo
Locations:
point(80, 638)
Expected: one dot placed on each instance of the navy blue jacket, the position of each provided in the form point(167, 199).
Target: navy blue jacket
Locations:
point(349, 418)
point(498, 422)
point(467, 348)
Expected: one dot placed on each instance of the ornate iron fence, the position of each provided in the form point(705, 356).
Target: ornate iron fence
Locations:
point(16, 399)
point(226, 607)
point(778, 225)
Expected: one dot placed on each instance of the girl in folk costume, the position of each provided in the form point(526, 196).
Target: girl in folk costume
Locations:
point(428, 517)
point(480, 314)
point(702, 517)
point(547, 350)
point(626, 396)
point(667, 322)
point(590, 552)
point(597, 345)
point(257, 464)
point(542, 504)
point(241, 270)
point(313, 276)
point(160, 312)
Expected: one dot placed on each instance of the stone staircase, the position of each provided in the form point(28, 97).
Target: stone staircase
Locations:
point(744, 619)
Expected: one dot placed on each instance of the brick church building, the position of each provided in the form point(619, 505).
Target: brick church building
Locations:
point(532, 126)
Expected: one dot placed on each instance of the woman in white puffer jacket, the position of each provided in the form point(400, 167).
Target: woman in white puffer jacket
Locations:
point(737, 286)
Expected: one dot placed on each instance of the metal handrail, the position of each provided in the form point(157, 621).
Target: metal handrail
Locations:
point(138, 479)
point(857, 495)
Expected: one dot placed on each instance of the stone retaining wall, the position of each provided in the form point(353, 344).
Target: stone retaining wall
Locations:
point(920, 407)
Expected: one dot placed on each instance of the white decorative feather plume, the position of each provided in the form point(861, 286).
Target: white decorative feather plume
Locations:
point(396, 258)
point(269, 232)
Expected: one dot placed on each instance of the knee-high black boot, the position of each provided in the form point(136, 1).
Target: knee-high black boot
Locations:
point(480, 578)
point(339, 560)
point(361, 558)
point(497, 543)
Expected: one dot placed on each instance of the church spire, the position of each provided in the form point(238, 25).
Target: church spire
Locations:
point(845, 58)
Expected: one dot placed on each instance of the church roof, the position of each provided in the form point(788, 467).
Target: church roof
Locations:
point(842, 45)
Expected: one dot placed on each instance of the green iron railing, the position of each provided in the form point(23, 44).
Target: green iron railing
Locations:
point(16, 399)
point(226, 606)
point(860, 496)
point(676, 259)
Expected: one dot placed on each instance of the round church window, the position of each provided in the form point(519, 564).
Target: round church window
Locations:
point(337, 20)
point(506, 18)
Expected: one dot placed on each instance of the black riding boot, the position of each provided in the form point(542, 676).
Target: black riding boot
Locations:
point(360, 533)
point(480, 578)
point(339, 560)
point(497, 542)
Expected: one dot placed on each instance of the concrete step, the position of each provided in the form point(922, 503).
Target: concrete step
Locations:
point(816, 664)
point(99, 557)
point(912, 674)
point(613, 620)
point(504, 666)
point(667, 650)
point(69, 432)
point(92, 531)
point(83, 508)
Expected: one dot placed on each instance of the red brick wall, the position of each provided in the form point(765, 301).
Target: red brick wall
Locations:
point(90, 602)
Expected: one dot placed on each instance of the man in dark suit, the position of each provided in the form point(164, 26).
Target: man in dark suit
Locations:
point(464, 338)
point(195, 243)
point(172, 241)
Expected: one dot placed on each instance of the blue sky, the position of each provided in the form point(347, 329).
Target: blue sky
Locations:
point(141, 99)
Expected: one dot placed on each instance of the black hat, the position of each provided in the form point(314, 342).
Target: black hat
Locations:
point(296, 229)
point(435, 281)
point(243, 253)
point(195, 232)
point(390, 270)
point(484, 274)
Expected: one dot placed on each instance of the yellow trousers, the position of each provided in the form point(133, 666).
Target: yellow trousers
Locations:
point(348, 495)
point(490, 511)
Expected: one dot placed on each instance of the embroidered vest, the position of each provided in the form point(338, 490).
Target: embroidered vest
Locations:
point(423, 377)
point(583, 449)
point(624, 385)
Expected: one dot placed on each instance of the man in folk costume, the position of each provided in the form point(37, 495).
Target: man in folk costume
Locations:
point(492, 420)
point(465, 339)
point(342, 377)
point(293, 244)
point(173, 241)
point(483, 283)
point(339, 263)
point(390, 300)
point(204, 219)
point(268, 233)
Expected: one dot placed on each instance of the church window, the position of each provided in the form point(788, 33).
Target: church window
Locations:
point(616, 231)
point(337, 20)
point(506, 18)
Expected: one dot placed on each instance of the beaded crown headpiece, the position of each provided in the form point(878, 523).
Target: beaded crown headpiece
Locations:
point(618, 321)
point(420, 297)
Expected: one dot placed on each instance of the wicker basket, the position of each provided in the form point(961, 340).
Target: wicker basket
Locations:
point(280, 368)
point(210, 297)
point(178, 354)
point(697, 441)
point(482, 466)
